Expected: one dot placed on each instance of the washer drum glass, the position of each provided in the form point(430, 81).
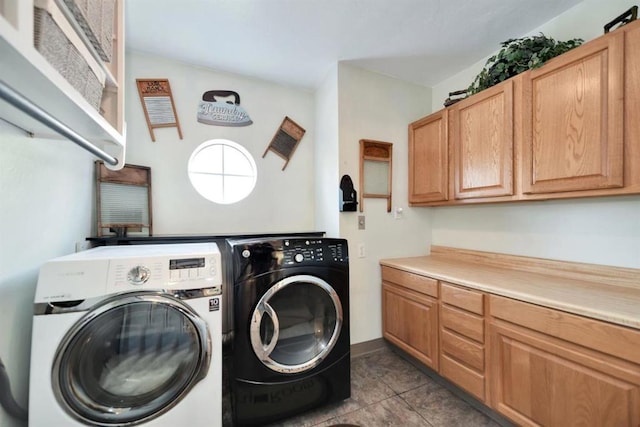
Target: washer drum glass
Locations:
point(131, 359)
point(296, 324)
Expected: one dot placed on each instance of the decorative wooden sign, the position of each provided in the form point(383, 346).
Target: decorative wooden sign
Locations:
point(157, 103)
point(286, 140)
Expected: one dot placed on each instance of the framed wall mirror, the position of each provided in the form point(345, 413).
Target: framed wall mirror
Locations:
point(375, 171)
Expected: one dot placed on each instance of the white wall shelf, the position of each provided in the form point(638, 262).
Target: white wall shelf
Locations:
point(27, 72)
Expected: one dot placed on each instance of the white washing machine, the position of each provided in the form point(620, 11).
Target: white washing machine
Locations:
point(128, 335)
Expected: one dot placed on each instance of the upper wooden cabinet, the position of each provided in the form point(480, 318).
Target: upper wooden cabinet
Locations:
point(570, 128)
point(573, 120)
point(481, 137)
point(429, 159)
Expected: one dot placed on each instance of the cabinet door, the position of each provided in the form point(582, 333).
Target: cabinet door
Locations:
point(537, 380)
point(428, 159)
point(482, 141)
point(573, 120)
point(410, 321)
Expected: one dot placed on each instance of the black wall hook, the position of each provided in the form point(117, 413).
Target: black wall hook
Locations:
point(348, 201)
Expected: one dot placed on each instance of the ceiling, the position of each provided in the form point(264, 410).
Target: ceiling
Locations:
point(296, 42)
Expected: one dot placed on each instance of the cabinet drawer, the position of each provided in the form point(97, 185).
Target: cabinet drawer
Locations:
point(463, 298)
point(607, 338)
point(463, 350)
point(466, 324)
point(422, 284)
point(463, 376)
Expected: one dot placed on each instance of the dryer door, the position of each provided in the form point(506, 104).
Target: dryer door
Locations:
point(296, 324)
point(130, 359)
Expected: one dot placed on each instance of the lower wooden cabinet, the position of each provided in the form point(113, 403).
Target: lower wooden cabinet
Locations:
point(535, 365)
point(542, 380)
point(410, 318)
point(467, 378)
point(462, 338)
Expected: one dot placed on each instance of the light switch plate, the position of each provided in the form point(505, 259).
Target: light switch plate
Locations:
point(361, 250)
point(360, 222)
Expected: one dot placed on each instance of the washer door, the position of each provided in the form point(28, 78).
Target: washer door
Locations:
point(296, 323)
point(130, 359)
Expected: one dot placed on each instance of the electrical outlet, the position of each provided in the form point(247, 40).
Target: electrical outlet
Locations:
point(398, 213)
point(360, 222)
point(361, 250)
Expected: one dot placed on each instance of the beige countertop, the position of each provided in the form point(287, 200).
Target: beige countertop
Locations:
point(595, 299)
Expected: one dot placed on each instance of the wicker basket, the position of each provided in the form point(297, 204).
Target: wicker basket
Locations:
point(66, 53)
point(96, 20)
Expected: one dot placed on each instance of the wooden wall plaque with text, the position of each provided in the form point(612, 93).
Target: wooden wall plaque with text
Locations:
point(157, 103)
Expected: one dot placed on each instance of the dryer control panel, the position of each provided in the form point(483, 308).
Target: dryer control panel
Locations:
point(252, 257)
point(314, 250)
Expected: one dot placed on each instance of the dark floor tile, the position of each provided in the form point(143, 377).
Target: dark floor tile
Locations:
point(392, 412)
point(366, 384)
point(443, 409)
point(329, 423)
point(394, 371)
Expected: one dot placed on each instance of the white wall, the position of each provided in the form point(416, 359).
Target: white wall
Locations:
point(46, 188)
point(603, 230)
point(283, 201)
point(326, 157)
point(598, 231)
point(373, 106)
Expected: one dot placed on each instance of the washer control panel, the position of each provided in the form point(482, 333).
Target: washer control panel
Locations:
point(190, 268)
point(105, 270)
point(180, 272)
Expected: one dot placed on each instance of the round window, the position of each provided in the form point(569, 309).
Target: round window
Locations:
point(222, 171)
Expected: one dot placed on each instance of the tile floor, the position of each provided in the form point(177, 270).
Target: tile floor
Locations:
point(387, 390)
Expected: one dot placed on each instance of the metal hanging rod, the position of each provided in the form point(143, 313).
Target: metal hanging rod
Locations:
point(28, 107)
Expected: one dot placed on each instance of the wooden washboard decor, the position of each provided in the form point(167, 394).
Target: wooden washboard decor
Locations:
point(157, 103)
point(123, 200)
point(286, 139)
